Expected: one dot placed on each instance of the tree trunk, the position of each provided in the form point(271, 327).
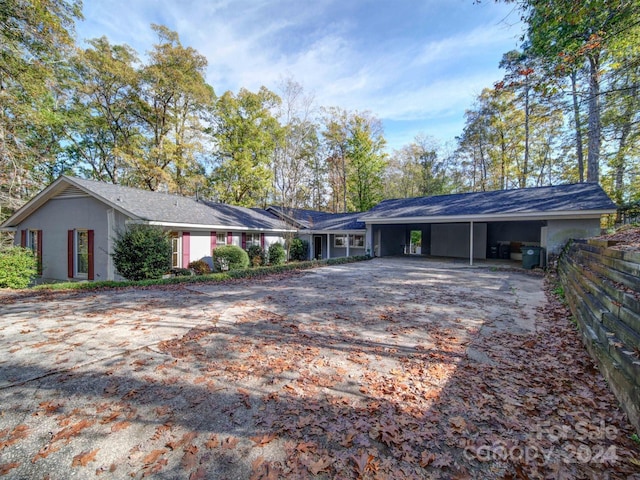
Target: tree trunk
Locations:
point(593, 155)
point(578, 125)
point(525, 167)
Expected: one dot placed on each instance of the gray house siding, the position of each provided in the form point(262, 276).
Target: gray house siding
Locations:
point(57, 217)
point(561, 231)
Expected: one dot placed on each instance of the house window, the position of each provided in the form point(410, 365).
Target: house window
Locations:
point(32, 241)
point(340, 241)
point(175, 251)
point(253, 239)
point(221, 239)
point(356, 241)
point(82, 253)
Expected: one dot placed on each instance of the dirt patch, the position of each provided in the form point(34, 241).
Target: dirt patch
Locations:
point(381, 369)
point(626, 238)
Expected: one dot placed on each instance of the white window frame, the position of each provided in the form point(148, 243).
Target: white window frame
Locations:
point(352, 241)
point(176, 251)
point(252, 239)
point(221, 239)
point(77, 253)
point(32, 240)
point(340, 241)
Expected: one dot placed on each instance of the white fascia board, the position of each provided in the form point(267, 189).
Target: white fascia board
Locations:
point(337, 232)
point(9, 229)
point(559, 215)
point(198, 226)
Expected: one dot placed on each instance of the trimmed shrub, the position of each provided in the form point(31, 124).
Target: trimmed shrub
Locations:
point(277, 255)
point(142, 252)
point(18, 266)
point(181, 272)
point(229, 257)
point(257, 256)
point(299, 250)
point(200, 267)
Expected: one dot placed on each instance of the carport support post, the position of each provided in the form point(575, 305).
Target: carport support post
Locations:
point(471, 243)
point(348, 244)
point(328, 246)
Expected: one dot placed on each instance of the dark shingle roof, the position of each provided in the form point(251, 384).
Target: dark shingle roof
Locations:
point(560, 198)
point(168, 208)
point(314, 220)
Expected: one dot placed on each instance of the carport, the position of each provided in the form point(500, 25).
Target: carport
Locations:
point(488, 224)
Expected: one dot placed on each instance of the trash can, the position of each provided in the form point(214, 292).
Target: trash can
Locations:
point(493, 251)
point(530, 257)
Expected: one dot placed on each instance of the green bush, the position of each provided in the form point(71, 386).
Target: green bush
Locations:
point(257, 256)
point(200, 267)
point(17, 267)
point(142, 252)
point(277, 255)
point(180, 272)
point(229, 257)
point(299, 250)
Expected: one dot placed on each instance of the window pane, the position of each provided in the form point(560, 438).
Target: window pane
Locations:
point(32, 241)
point(221, 239)
point(82, 252)
point(175, 252)
point(253, 239)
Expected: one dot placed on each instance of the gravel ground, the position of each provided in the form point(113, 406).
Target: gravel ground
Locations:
point(391, 368)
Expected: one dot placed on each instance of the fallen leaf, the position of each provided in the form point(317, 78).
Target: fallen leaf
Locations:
point(426, 458)
point(262, 440)
point(230, 443)
point(199, 474)
point(153, 456)
point(7, 467)
point(362, 462)
point(443, 460)
point(317, 466)
point(212, 442)
point(83, 459)
point(17, 434)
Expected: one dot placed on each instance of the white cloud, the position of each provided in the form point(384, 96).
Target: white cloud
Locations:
point(250, 43)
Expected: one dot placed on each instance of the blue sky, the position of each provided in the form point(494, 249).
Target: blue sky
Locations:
point(417, 65)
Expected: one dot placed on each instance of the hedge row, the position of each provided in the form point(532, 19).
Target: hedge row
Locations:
point(209, 278)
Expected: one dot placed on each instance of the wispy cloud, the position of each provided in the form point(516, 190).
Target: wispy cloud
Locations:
point(337, 50)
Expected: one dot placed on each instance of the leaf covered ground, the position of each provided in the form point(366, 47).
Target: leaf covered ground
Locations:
point(384, 369)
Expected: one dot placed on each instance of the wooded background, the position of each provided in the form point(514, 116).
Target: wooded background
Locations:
point(566, 110)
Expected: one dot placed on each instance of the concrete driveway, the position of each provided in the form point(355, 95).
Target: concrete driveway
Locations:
point(320, 373)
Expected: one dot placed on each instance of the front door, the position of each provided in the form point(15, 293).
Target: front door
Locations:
point(317, 247)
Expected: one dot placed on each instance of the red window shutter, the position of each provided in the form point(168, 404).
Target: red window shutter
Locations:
point(186, 249)
point(214, 238)
point(91, 272)
point(244, 241)
point(262, 241)
point(70, 254)
point(229, 238)
point(39, 252)
point(23, 238)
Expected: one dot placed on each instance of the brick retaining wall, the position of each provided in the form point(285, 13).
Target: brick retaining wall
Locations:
point(602, 288)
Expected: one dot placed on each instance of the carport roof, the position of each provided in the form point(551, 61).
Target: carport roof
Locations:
point(542, 202)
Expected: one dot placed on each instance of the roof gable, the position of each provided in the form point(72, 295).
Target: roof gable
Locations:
point(315, 220)
point(155, 207)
